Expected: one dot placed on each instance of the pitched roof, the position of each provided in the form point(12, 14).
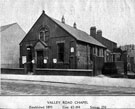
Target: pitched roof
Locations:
point(42, 42)
point(2, 28)
point(78, 34)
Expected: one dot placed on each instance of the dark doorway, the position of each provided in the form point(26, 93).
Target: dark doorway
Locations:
point(29, 55)
point(40, 59)
point(29, 59)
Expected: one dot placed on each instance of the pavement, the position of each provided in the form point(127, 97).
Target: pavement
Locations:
point(100, 80)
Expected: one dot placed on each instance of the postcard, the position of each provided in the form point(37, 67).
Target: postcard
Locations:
point(67, 54)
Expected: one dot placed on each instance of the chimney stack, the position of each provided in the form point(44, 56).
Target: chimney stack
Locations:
point(99, 33)
point(63, 19)
point(93, 31)
point(74, 25)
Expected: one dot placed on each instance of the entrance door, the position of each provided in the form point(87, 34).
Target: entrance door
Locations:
point(40, 58)
point(72, 62)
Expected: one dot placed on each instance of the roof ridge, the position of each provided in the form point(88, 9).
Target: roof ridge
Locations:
point(9, 24)
point(70, 26)
point(108, 39)
point(4, 27)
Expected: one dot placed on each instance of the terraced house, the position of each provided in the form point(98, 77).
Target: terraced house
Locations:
point(54, 44)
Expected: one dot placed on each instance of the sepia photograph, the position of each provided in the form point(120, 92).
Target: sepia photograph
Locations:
point(67, 48)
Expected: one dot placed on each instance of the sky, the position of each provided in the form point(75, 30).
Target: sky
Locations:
point(116, 18)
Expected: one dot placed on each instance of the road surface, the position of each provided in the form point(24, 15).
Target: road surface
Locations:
point(18, 87)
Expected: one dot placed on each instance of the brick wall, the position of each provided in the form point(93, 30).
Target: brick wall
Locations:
point(12, 71)
point(69, 72)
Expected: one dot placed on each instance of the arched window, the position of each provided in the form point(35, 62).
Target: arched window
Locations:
point(43, 33)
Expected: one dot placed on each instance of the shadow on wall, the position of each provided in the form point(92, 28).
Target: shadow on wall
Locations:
point(133, 68)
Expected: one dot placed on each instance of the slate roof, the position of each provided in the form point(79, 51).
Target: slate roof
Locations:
point(2, 28)
point(78, 34)
point(109, 40)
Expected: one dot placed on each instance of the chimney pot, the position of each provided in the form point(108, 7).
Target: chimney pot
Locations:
point(63, 19)
point(74, 25)
point(93, 31)
point(99, 33)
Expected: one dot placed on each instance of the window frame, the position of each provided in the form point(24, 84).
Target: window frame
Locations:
point(46, 32)
point(43, 39)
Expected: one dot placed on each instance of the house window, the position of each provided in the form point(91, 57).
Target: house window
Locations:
point(91, 50)
point(101, 52)
point(94, 50)
point(60, 52)
point(98, 52)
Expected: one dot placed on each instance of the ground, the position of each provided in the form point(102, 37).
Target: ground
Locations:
point(18, 87)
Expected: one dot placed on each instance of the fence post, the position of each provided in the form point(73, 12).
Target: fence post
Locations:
point(25, 68)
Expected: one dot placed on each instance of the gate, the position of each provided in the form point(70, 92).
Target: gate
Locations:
point(98, 65)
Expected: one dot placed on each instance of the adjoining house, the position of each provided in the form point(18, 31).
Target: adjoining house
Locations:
point(54, 44)
point(110, 54)
point(11, 35)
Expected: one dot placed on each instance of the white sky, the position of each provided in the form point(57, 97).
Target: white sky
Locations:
point(116, 18)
